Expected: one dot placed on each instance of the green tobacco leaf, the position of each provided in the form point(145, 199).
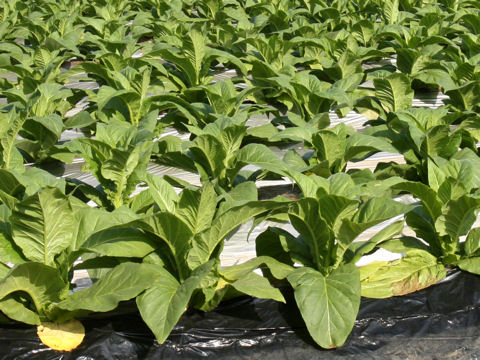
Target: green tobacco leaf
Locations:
point(257, 286)
point(42, 225)
point(11, 188)
point(162, 192)
point(205, 243)
point(425, 194)
point(305, 217)
point(166, 300)
point(472, 243)
point(91, 220)
point(11, 158)
point(417, 270)
point(360, 248)
point(123, 282)
point(404, 244)
point(440, 141)
point(80, 120)
point(174, 232)
point(209, 152)
point(370, 213)
point(197, 208)
point(361, 143)
point(458, 217)
point(277, 269)
point(118, 168)
point(330, 145)
point(17, 311)
point(240, 194)
point(120, 242)
point(472, 265)
point(9, 252)
point(41, 282)
point(283, 247)
point(261, 156)
point(328, 304)
point(394, 92)
point(391, 11)
point(379, 209)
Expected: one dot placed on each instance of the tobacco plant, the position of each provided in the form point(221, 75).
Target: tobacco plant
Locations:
point(325, 280)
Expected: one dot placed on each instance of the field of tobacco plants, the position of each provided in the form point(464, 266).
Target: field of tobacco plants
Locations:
point(236, 94)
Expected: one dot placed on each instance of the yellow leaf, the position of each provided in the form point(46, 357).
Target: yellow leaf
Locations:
point(63, 337)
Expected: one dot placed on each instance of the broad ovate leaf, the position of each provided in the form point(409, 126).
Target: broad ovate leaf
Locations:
point(328, 303)
point(394, 92)
point(472, 243)
point(197, 207)
point(41, 282)
point(123, 282)
point(16, 310)
point(166, 300)
point(43, 224)
point(458, 217)
point(162, 192)
point(205, 243)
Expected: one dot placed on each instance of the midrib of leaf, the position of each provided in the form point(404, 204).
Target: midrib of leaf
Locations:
point(45, 258)
point(329, 330)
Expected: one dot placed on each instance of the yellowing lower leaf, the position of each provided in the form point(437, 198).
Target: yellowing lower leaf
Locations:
point(417, 270)
point(63, 337)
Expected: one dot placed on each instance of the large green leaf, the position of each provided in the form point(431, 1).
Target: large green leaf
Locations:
point(118, 169)
point(162, 192)
point(209, 152)
point(91, 220)
point(417, 270)
point(472, 243)
point(123, 282)
point(370, 213)
point(305, 217)
point(9, 252)
point(359, 248)
point(394, 92)
point(10, 156)
point(166, 300)
point(43, 224)
point(277, 269)
point(472, 265)
point(11, 188)
point(197, 208)
point(283, 246)
point(17, 311)
point(425, 194)
point(328, 303)
point(364, 144)
point(174, 232)
point(41, 282)
point(261, 156)
point(205, 243)
point(458, 217)
point(120, 242)
point(257, 286)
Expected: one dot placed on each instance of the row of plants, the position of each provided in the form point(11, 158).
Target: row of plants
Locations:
point(164, 248)
point(321, 63)
point(154, 64)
